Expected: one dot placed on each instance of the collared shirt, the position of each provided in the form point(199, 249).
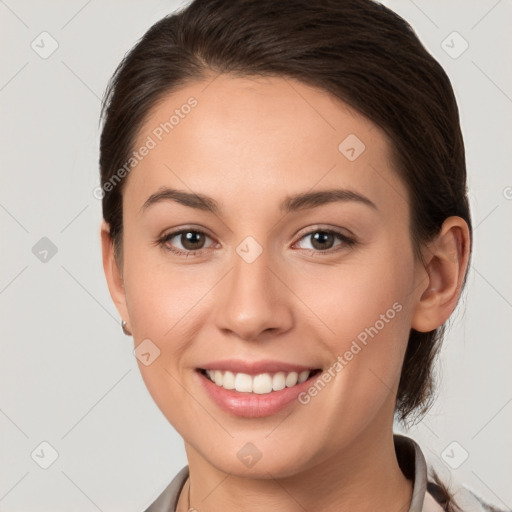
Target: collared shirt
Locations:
point(411, 461)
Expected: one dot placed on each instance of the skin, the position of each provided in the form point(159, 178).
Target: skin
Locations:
point(248, 144)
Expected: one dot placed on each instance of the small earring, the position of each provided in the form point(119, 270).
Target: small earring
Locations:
point(125, 329)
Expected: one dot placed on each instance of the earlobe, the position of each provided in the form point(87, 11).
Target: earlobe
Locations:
point(113, 273)
point(445, 262)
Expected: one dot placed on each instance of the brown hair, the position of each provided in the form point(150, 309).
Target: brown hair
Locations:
point(357, 50)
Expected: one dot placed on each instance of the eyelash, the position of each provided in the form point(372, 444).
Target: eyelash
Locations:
point(347, 241)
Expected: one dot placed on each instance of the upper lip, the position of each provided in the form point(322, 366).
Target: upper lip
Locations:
point(255, 367)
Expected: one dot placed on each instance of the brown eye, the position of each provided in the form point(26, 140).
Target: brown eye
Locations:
point(192, 240)
point(186, 241)
point(323, 240)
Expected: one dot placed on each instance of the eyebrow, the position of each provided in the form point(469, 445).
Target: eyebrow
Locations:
point(292, 203)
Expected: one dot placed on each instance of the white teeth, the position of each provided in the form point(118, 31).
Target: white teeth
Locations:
point(228, 381)
point(291, 379)
point(303, 376)
point(243, 383)
point(218, 378)
point(260, 384)
point(279, 381)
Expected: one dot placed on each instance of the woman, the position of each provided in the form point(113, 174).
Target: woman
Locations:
point(239, 138)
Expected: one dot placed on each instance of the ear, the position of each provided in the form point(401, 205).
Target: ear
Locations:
point(446, 259)
point(113, 273)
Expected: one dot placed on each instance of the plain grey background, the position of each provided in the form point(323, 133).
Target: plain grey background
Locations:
point(68, 376)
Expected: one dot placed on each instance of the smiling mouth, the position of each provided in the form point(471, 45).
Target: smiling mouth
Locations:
point(261, 384)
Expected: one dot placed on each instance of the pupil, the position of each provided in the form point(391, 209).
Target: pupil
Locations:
point(191, 239)
point(321, 236)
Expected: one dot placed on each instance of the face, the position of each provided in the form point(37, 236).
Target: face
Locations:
point(269, 279)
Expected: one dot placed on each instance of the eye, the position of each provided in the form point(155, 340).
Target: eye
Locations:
point(191, 241)
point(323, 241)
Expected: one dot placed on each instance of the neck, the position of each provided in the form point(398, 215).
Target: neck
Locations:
point(365, 476)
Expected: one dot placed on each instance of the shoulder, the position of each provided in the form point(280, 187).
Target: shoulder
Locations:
point(432, 493)
point(456, 497)
point(167, 500)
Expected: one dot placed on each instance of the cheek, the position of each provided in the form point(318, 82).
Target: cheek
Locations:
point(362, 295)
point(166, 304)
point(367, 309)
point(163, 304)
point(363, 375)
point(160, 294)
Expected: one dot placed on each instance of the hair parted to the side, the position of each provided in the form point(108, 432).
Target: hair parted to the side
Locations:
point(357, 50)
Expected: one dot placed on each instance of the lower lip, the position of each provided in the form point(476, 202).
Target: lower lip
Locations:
point(252, 405)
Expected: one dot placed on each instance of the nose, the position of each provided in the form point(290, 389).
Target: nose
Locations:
point(254, 302)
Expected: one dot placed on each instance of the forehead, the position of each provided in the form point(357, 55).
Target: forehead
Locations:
point(227, 135)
